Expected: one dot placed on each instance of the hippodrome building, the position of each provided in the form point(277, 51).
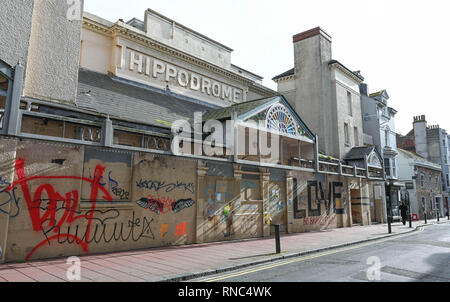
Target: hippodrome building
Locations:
point(87, 163)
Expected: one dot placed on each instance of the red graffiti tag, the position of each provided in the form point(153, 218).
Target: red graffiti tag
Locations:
point(70, 201)
point(319, 220)
point(165, 203)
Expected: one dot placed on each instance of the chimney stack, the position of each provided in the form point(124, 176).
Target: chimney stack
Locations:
point(312, 54)
point(364, 89)
point(420, 135)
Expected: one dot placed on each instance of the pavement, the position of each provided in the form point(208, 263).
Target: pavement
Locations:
point(175, 264)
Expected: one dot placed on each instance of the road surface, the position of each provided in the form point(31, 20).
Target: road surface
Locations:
point(421, 256)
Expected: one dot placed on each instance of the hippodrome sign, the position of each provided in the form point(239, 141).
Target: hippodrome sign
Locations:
point(156, 69)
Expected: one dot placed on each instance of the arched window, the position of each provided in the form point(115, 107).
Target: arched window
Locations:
point(281, 120)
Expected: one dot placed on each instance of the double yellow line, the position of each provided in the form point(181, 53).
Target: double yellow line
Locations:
point(303, 258)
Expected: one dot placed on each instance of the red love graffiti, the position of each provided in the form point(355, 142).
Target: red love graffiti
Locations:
point(70, 199)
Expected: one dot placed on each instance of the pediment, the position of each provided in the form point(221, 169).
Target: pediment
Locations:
point(374, 160)
point(279, 117)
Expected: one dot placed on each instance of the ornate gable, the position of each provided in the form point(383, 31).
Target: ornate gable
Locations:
point(374, 160)
point(279, 117)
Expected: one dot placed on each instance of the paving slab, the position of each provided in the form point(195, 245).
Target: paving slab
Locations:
point(187, 262)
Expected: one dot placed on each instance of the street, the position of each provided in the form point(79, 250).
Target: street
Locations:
point(421, 256)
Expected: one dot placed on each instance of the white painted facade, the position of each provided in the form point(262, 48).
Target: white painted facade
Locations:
point(379, 123)
point(163, 54)
point(325, 94)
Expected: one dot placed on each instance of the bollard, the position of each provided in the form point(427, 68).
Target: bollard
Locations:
point(389, 224)
point(437, 215)
point(277, 238)
point(410, 220)
point(425, 214)
point(448, 215)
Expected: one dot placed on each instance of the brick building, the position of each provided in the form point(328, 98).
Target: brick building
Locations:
point(423, 182)
point(432, 143)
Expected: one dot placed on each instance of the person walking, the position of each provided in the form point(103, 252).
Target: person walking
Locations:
point(404, 212)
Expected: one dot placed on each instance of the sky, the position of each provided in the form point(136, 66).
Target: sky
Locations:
point(401, 46)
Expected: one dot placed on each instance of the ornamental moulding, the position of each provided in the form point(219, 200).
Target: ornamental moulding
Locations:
point(117, 30)
point(346, 72)
point(286, 78)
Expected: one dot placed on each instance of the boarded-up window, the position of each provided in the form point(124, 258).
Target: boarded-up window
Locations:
point(116, 176)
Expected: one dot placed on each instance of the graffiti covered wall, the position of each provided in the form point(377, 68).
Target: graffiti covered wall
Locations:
point(60, 200)
point(64, 200)
point(321, 202)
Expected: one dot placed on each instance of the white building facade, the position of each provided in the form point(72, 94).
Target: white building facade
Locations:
point(379, 127)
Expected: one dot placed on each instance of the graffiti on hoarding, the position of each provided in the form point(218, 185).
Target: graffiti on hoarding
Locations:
point(319, 196)
point(181, 229)
point(164, 230)
point(133, 229)
point(117, 191)
point(113, 186)
point(316, 195)
point(217, 195)
point(182, 204)
point(166, 187)
point(71, 200)
point(8, 198)
point(162, 205)
point(320, 220)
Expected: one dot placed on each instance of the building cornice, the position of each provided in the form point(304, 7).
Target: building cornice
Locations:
point(285, 79)
point(427, 166)
point(118, 29)
point(191, 31)
point(347, 72)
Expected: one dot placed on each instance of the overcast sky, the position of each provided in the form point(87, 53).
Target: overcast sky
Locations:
point(401, 46)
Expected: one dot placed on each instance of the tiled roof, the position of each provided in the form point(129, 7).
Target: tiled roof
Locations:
point(372, 95)
point(359, 152)
point(134, 102)
point(285, 74)
point(292, 71)
point(418, 159)
point(241, 108)
point(355, 73)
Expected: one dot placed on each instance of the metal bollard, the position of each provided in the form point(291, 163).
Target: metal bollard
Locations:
point(437, 215)
point(389, 224)
point(410, 220)
point(277, 238)
point(425, 214)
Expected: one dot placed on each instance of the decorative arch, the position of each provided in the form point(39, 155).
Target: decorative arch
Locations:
point(374, 160)
point(280, 119)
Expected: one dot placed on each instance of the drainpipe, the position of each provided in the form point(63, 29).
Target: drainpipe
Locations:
point(13, 115)
point(316, 153)
point(366, 165)
point(108, 133)
point(235, 138)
